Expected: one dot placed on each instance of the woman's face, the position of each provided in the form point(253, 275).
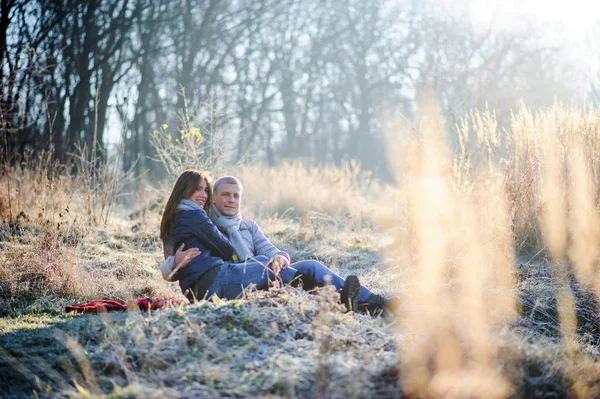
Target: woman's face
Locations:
point(201, 194)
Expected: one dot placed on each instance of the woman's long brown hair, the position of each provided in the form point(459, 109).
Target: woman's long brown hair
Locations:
point(184, 187)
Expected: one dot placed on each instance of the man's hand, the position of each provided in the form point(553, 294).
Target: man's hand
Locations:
point(279, 263)
point(182, 258)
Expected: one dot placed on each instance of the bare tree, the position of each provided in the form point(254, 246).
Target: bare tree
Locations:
point(471, 67)
point(306, 79)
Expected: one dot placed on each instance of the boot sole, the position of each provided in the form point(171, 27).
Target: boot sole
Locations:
point(350, 293)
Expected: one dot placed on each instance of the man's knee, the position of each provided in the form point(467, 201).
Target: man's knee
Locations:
point(306, 275)
point(309, 267)
point(288, 275)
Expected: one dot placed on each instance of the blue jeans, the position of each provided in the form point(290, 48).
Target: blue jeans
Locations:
point(233, 278)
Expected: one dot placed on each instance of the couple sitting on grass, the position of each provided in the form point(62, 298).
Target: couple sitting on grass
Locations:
point(224, 253)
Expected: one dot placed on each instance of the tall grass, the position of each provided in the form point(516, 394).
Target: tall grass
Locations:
point(531, 189)
point(458, 221)
point(294, 188)
point(53, 226)
point(522, 152)
point(458, 246)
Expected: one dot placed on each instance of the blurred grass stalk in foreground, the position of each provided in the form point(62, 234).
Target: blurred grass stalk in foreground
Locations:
point(458, 244)
point(466, 221)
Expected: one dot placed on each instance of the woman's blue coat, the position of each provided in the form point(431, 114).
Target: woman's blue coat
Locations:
point(194, 229)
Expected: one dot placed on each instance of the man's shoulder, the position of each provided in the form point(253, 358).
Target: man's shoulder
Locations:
point(247, 224)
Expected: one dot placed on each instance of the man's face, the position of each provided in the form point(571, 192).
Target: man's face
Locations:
point(228, 199)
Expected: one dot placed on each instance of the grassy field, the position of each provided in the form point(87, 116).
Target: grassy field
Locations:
point(491, 244)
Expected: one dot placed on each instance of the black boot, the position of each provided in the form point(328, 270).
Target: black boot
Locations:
point(375, 305)
point(349, 295)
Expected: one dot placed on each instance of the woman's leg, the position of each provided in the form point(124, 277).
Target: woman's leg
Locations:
point(233, 278)
point(321, 273)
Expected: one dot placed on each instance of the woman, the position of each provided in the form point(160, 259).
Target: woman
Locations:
point(185, 223)
point(212, 271)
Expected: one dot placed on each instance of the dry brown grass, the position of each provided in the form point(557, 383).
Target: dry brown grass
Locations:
point(44, 271)
point(457, 244)
point(44, 266)
point(55, 242)
point(492, 247)
point(536, 145)
point(530, 191)
point(294, 189)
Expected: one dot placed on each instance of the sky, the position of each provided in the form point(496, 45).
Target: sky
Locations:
point(572, 25)
point(571, 17)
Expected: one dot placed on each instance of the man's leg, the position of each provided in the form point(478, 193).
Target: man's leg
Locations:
point(366, 301)
point(319, 272)
point(233, 278)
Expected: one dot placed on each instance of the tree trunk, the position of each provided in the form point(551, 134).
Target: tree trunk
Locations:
point(79, 110)
point(289, 113)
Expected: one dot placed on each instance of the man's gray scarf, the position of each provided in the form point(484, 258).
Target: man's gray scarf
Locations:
point(231, 226)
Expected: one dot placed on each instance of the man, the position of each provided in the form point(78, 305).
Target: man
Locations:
point(250, 245)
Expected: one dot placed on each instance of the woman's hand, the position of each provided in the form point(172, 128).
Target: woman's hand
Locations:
point(182, 258)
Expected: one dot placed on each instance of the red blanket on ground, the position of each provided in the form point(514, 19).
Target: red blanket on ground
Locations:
point(104, 306)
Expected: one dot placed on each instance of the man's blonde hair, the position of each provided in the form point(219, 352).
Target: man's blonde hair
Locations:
point(227, 180)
